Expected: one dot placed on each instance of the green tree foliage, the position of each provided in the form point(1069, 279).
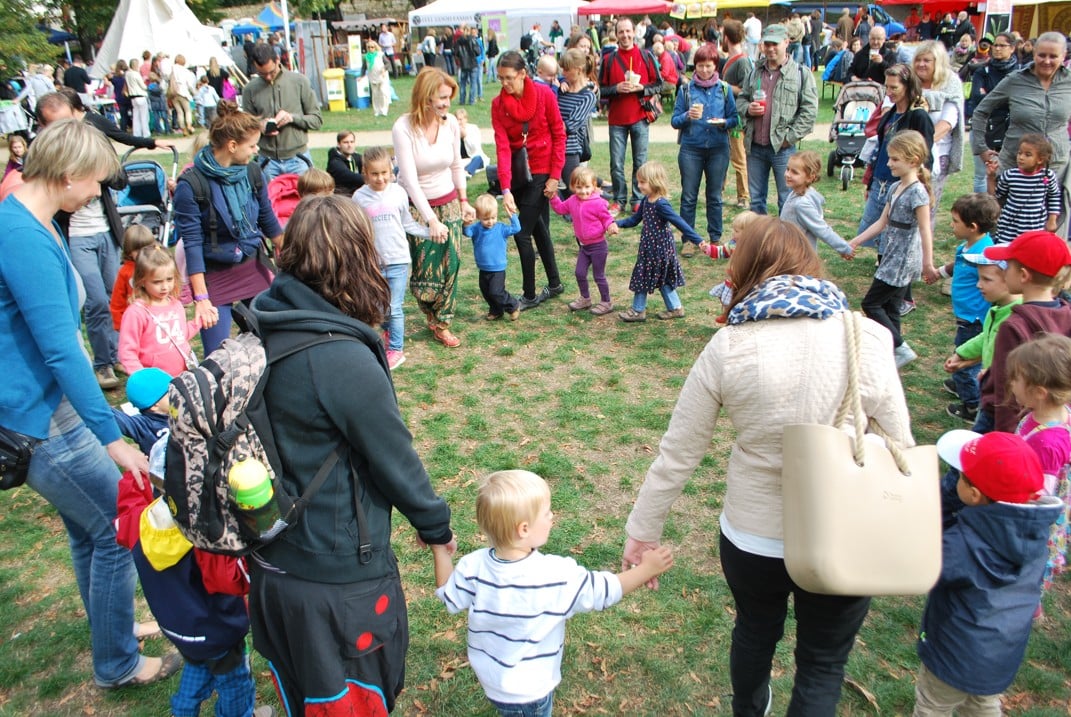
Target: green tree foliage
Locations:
point(22, 41)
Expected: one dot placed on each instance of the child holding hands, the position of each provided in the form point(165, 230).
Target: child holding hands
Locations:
point(489, 249)
point(804, 205)
point(519, 599)
point(387, 205)
point(592, 222)
point(657, 266)
point(1029, 193)
point(908, 242)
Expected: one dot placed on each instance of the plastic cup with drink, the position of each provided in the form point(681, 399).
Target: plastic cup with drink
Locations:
point(697, 110)
point(760, 98)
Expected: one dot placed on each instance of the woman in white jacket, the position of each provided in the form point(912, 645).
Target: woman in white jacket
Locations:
point(780, 303)
point(181, 90)
point(138, 94)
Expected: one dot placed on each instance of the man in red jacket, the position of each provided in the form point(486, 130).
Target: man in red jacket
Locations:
point(628, 75)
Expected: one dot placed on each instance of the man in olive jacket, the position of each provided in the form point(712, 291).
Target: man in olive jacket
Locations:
point(776, 123)
point(287, 109)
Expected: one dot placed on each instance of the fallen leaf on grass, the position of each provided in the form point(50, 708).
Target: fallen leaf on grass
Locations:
point(867, 694)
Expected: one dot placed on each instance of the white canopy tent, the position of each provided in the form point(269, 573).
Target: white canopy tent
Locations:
point(158, 26)
point(520, 15)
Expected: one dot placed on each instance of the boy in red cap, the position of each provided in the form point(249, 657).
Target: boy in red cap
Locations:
point(978, 617)
point(1038, 268)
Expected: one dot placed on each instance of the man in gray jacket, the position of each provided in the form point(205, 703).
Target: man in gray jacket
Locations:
point(776, 120)
point(287, 109)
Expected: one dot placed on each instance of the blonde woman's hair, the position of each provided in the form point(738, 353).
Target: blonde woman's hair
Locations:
point(505, 500)
point(1044, 362)
point(315, 181)
point(912, 146)
point(69, 149)
point(149, 260)
point(427, 84)
point(654, 173)
point(486, 206)
point(582, 176)
point(942, 68)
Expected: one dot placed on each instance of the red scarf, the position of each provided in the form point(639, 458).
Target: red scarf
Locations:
point(521, 109)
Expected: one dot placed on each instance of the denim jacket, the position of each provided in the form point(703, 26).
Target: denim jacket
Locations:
point(718, 103)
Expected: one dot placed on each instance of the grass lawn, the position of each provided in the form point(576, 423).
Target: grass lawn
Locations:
point(583, 401)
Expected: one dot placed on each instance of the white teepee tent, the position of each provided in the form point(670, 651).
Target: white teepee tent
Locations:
point(157, 26)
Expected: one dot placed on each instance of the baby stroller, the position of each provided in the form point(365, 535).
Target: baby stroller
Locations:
point(146, 199)
point(856, 103)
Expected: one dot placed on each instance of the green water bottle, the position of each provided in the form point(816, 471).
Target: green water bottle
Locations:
point(253, 494)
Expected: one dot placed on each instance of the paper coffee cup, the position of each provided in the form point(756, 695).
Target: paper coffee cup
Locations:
point(632, 78)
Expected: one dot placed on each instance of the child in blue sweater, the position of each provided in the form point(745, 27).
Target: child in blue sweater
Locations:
point(489, 249)
point(978, 617)
point(973, 217)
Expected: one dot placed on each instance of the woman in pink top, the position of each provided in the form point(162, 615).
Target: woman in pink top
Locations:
point(427, 146)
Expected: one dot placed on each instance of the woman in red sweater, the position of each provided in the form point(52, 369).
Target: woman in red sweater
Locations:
point(525, 114)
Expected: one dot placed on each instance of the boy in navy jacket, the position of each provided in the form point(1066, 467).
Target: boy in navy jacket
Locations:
point(977, 618)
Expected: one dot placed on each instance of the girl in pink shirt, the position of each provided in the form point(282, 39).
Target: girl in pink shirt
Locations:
point(592, 221)
point(1039, 376)
point(154, 331)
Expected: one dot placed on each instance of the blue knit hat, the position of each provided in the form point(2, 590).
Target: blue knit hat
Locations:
point(147, 386)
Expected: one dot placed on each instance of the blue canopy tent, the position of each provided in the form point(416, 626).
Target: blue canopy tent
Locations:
point(59, 37)
point(272, 18)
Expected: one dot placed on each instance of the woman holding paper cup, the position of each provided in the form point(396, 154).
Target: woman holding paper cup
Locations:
point(704, 113)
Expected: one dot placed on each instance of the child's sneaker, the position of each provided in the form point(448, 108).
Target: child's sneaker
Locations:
point(513, 315)
point(904, 355)
point(963, 411)
point(950, 385)
point(602, 308)
point(671, 314)
point(580, 304)
point(491, 316)
point(631, 315)
point(395, 359)
point(687, 249)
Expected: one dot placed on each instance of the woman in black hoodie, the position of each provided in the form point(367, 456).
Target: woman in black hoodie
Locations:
point(326, 603)
point(344, 164)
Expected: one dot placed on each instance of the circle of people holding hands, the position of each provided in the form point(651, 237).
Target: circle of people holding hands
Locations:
point(325, 604)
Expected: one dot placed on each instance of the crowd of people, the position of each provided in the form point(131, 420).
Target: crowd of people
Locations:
point(326, 607)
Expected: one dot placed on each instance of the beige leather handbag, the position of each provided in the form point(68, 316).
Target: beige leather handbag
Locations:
point(861, 515)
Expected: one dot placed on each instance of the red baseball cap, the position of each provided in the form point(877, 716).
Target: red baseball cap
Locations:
point(1001, 465)
point(1040, 251)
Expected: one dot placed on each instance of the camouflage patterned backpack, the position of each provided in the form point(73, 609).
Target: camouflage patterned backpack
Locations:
point(217, 418)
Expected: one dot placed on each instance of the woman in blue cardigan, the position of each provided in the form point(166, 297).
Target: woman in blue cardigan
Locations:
point(50, 394)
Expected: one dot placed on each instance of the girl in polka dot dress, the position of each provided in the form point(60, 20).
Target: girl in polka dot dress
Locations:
point(657, 266)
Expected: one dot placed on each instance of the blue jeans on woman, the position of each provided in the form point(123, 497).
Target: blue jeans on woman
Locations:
point(694, 164)
point(73, 472)
point(542, 707)
point(396, 275)
point(96, 258)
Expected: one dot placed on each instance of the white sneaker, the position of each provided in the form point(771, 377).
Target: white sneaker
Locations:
point(904, 355)
point(769, 702)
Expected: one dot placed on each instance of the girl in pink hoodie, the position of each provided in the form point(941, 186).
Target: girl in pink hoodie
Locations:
point(592, 221)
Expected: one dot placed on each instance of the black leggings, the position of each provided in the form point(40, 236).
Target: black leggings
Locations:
point(882, 304)
point(533, 211)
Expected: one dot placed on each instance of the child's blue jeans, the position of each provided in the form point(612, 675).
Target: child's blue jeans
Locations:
point(966, 379)
point(540, 708)
point(237, 693)
point(669, 295)
point(396, 275)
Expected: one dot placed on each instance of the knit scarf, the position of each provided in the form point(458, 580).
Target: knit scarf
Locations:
point(790, 296)
point(521, 109)
point(234, 183)
point(1004, 66)
point(705, 84)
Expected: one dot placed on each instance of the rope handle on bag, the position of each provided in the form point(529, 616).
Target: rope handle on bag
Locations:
point(853, 401)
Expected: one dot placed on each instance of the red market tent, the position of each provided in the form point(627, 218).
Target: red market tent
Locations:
point(623, 7)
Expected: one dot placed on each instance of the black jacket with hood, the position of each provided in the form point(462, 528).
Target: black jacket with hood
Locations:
point(331, 394)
